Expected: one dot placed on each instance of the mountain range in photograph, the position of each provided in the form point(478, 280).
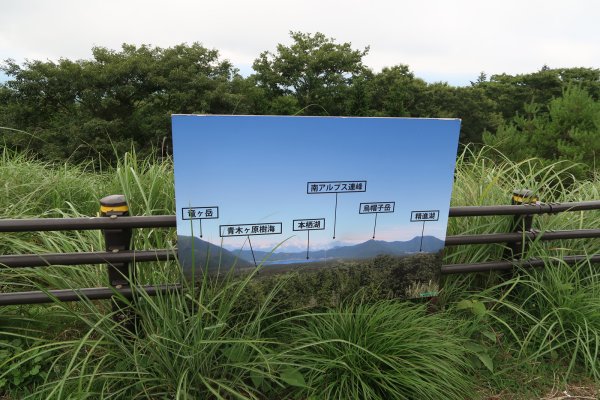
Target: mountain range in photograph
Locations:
point(193, 249)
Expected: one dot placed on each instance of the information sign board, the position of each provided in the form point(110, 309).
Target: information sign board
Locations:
point(251, 170)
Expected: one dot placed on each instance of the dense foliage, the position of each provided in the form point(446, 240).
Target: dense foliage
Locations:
point(331, 334)
point(334, 333)
point(100, 107)
point(568, 129)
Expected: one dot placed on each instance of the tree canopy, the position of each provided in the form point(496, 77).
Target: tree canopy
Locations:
point(115, 100)
point(99, 107)
point(314, 71)
point(567, 129)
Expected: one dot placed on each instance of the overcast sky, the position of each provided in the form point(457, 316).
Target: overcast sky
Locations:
point(440, 40)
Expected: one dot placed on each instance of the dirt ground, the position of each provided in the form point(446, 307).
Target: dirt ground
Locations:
point(577, 391)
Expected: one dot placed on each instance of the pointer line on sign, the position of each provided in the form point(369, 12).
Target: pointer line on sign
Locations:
point(200, 227)
point(421, 245)
point(335, 215)
point(375, 227)
point(252, 250)
point(307, 243)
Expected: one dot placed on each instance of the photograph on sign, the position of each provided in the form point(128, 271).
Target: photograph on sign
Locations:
point(260, 175)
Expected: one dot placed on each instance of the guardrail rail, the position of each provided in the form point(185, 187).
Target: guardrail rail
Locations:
point(116, 224)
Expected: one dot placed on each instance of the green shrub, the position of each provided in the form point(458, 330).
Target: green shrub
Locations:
point(557, 312)
point(382, 350)
point(22, 364)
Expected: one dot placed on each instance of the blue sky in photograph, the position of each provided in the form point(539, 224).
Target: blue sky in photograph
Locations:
point(256, 168)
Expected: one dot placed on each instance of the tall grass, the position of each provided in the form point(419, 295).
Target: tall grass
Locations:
point(383, 350)
point(185, 346)
point(486, 177)
point(532, 320)
point(65, 190)
point(553, 315)
point(483, 180)
point(210, 342)
point(39, 189)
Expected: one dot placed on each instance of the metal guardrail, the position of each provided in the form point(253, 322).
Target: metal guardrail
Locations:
point(509, 265)
point(523, 209)
point(169, 221)
point(94, 223)
point(117, 225)
point(97, 257)
point(516, 237)
point(43, 260)
point(37, 297)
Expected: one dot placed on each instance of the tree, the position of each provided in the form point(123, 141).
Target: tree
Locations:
point(394, 91)
point(314, 70)
point(117, 99)
point(477, 111)
point(568, 130)
point(512, 92)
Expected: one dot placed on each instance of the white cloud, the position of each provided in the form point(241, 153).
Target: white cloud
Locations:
point(440, 39)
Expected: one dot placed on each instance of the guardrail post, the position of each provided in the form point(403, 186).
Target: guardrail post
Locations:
point(521, 223)
point(119, 274)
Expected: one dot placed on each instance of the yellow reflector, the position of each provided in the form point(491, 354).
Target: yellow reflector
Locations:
point(106, 209)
